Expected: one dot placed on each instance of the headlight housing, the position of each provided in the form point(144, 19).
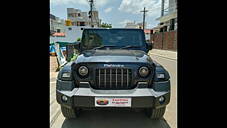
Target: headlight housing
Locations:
point(66, 75)
point(83, 70)
point(144, 71)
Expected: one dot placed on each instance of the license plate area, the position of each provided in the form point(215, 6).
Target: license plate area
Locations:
point(113, 102)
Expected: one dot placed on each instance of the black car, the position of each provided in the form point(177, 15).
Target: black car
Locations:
point(113, 70)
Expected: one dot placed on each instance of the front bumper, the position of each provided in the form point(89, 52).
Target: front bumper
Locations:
point(140, 97)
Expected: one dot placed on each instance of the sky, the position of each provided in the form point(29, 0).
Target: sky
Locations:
point(115, 12)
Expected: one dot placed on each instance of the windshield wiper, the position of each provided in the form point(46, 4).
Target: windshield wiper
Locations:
point(103, 46)
point(130, 46)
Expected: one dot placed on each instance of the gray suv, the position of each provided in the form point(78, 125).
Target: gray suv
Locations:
point(113, 70)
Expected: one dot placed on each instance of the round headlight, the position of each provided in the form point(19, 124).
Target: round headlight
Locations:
point(83, 70)
point(143, 71)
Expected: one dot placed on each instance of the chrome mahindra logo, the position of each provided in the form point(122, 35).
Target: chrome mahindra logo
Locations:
point(113, 65)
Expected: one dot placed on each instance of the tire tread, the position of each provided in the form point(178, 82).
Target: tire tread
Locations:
point(156, 113)
point(68, 113)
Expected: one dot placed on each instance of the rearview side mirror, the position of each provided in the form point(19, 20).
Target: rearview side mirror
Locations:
point(77, 45)
point(149, 46)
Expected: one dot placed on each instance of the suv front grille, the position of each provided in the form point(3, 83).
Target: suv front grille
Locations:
point(113, 78)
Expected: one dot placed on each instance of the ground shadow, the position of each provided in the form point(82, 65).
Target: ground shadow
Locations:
point(113, 119)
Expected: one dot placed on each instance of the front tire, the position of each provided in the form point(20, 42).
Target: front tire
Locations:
point(155, 113)
point(69, 113)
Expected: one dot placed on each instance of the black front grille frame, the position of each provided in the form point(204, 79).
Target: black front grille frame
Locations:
point(113, 79)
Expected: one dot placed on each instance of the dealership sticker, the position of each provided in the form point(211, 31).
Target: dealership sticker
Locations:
point(112, 102)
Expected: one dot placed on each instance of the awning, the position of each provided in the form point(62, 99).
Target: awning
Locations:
point(59, 34)
point(159, 26)
point(147, 31)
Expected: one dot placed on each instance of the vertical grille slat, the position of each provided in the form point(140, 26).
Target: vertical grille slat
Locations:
point(122, 75)
point(99, 78)
point(116, 77)
point(110, 78)
point(105, 77)
point(127, 78)
point(113, 78)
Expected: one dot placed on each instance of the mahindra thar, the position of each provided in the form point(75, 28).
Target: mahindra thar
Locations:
point(113, 70)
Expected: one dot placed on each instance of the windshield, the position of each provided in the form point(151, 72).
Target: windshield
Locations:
point(118, 38)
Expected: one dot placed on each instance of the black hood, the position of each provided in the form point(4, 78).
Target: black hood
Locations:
point(118, 55)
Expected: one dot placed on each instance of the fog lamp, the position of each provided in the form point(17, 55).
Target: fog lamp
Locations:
point(161, 99)
point(64, 98)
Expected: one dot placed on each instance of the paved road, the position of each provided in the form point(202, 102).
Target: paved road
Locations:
point(124, 119)
point(171, 111)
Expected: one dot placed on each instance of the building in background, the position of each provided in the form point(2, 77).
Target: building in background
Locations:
point(141, 25)
point(131, 25)
point(168, 22)
point(72, 33)
point(56, 24)
point(134, 25)
point(79, 18)
point(165, 34)
point(148, 33)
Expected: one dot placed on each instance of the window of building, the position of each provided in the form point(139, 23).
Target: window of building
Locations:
point(69, 29)
point(77, 23)
point(82, 23)
point(74, 23)
point(163, 29)
point(70, 15)
point(172, 24)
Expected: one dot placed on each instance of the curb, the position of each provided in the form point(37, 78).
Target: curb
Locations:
point(163, 56)
point(55, 116)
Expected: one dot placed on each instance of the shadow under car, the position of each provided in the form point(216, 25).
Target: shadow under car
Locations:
point(114, 119)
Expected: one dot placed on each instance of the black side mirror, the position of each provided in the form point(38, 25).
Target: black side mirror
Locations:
point(77, 46)
point(149, 46)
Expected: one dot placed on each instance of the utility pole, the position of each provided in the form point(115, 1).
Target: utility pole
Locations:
point(162, 8)
point(162, 14)
point(144, 11)
point(90, 13)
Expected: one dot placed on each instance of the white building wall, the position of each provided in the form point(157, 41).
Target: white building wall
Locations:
point(172, 6)
point(83, 17)
point(70, 35)
point(57, 23)
point(147, 36)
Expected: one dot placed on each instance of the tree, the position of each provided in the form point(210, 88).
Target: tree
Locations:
point(78, 39)
point(105, 25)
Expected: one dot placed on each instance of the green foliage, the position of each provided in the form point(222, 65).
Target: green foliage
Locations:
point(78, 39)
point(74, 57)
point(105, 25)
